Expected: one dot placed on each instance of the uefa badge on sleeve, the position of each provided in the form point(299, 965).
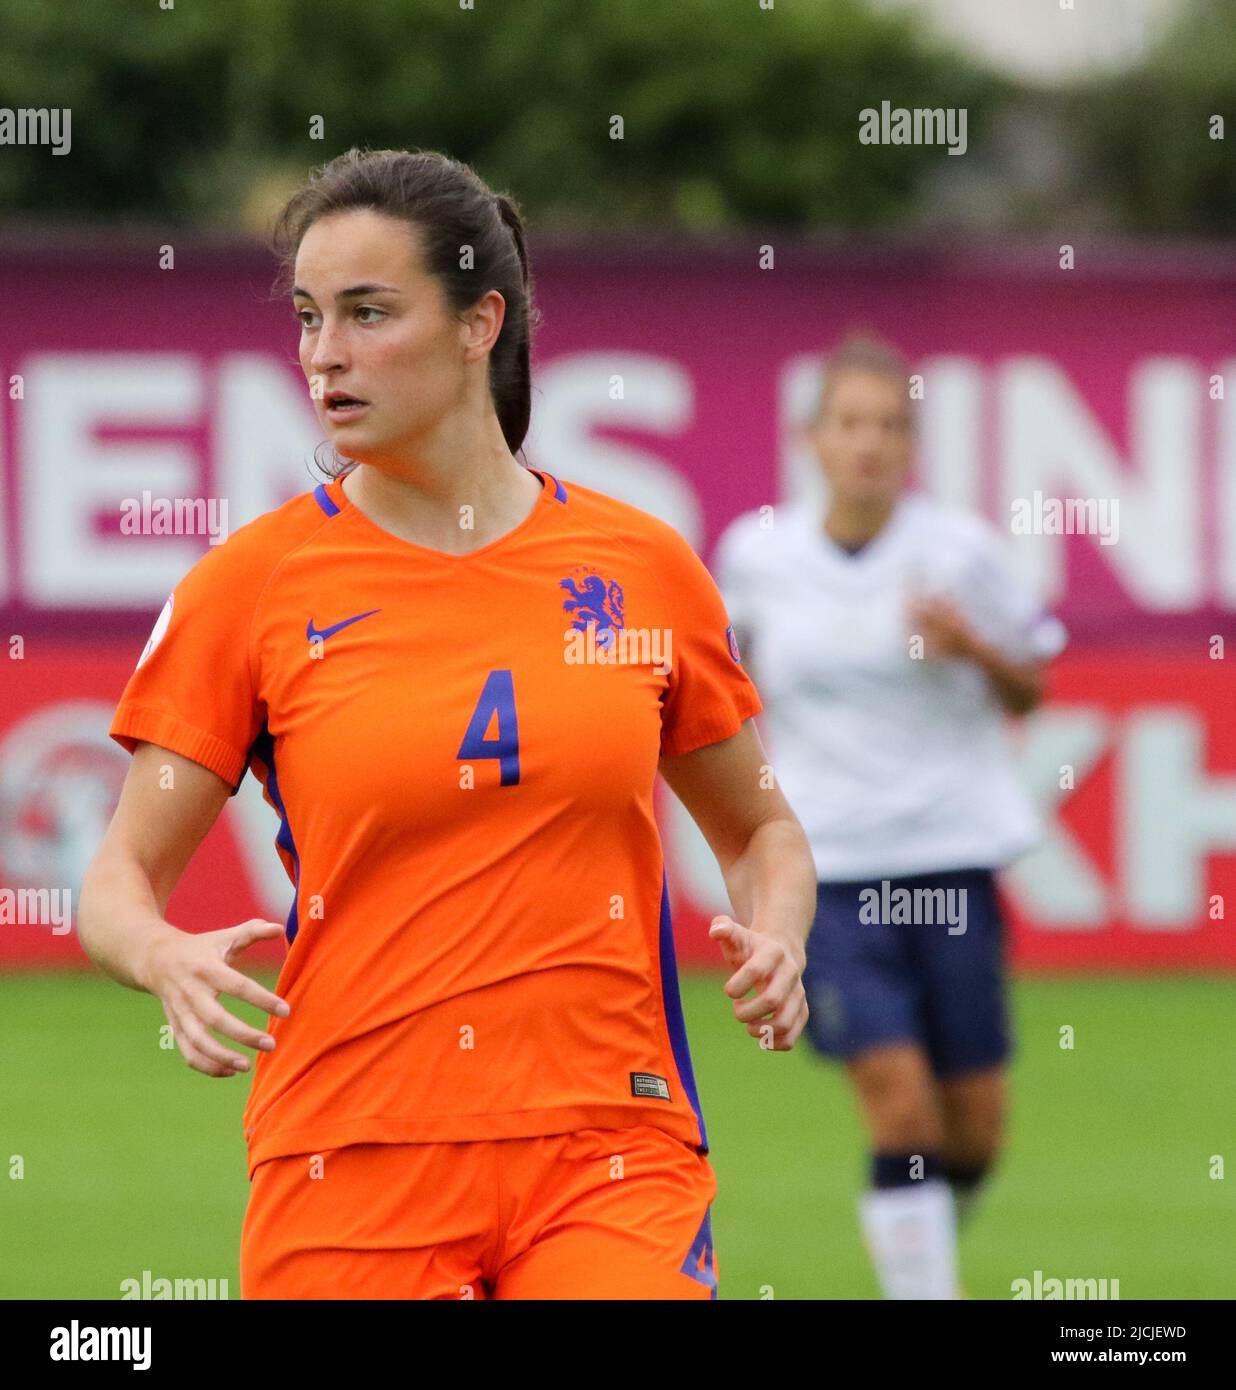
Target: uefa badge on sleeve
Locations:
point(162, 623)
point(733, 642)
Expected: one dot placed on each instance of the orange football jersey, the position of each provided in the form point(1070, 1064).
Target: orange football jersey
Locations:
point(461, 751)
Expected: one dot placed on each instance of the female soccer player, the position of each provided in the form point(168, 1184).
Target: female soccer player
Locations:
point(476, 1082)
point(887, 680)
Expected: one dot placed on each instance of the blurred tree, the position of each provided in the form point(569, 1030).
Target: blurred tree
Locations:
point(1143, 141)
point(733, 114)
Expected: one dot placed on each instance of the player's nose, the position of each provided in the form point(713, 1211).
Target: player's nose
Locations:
point(328, 353)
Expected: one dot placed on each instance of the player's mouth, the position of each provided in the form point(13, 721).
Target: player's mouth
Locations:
point(340, 406)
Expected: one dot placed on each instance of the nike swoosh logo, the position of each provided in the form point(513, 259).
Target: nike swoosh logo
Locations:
point(317, 634)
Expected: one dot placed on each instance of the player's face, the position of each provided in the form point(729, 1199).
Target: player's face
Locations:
point(863, 440)
point(393, 346)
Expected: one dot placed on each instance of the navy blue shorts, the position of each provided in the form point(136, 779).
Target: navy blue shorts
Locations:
point(910, 960)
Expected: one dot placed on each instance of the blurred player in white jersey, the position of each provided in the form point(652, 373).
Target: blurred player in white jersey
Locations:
point(890, 642)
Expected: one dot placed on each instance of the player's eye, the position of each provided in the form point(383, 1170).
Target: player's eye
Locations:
point(370, 309)
point(300, 315)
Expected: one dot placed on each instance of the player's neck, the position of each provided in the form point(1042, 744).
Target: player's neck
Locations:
point(855, 523)
point(454, 513)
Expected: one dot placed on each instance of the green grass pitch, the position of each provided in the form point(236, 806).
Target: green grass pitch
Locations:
point(133, 1162)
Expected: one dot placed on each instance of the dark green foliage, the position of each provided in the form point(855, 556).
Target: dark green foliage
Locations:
point(733, 114)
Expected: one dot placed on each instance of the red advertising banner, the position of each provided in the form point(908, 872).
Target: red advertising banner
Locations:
point(1133, 763)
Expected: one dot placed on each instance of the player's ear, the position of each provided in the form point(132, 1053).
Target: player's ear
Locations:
point(482, 324)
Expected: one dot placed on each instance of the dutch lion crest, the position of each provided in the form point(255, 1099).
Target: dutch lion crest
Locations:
point(593, 602)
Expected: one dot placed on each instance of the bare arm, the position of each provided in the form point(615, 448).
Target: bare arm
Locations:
point(766, 862)
point(166, 806)
point(153, 834)
point(1018, 685)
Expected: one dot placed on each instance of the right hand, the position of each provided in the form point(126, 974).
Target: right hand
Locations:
point(187, 971)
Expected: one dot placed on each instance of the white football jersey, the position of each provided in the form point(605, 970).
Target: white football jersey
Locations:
point(896, 763)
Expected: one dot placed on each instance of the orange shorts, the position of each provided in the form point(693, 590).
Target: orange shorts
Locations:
point(617, 1213)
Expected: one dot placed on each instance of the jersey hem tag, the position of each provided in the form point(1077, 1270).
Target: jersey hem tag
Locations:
point(646, 1085)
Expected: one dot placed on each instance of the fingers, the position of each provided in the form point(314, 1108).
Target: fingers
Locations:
point(256, 929)
point(942, 626)
point(192, 1008)
point(934, 604)
point(227, 980)
point(735, 940)
point(777, 1012)
point(240, 938)
point(765, 958)
point(192, 970)
point(215, 1016)
point(199, 1049)
point(192, 1055)
point(781, 1031)
point(771, 992)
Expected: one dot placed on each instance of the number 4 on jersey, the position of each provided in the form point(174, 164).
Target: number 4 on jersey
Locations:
point(498, 697)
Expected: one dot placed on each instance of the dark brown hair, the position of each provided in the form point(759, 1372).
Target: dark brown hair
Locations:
point(861, 351)
point(455, 211)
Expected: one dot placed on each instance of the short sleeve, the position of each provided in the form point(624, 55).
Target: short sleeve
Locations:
point(193, 689)
point(709, 695)
point(1003, 610)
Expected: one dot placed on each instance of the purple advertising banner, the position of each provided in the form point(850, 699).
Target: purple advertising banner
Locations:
point(1088, 411)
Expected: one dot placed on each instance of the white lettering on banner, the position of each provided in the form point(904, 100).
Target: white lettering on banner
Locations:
point(798, 389)
point(263, 431)
point(951, 431)
point(1168, 817)
point(69, 477)
point(1056, 883)
point(1174, 814)
point(1050, 442)
point(1226, 469)
point(1047, 439)
point(658, 397)
point(265, 434)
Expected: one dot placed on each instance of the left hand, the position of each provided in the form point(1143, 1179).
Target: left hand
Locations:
point(777, 1013)
point(943, 629)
